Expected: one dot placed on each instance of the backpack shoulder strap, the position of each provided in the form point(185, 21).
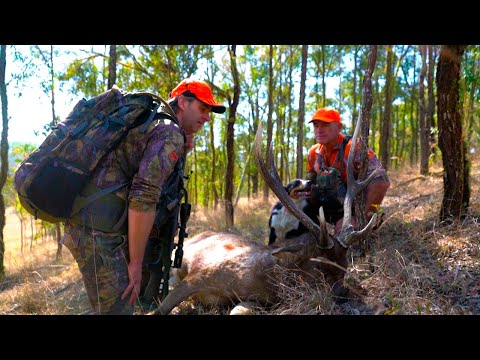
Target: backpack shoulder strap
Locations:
point(161, 100)
point(341, 152)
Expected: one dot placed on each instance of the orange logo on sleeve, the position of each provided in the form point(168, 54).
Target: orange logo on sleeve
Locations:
point(173, 156)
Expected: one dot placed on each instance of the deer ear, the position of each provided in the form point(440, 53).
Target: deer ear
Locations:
point(293, 248)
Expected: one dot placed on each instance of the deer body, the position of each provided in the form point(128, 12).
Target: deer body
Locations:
point(224, 269)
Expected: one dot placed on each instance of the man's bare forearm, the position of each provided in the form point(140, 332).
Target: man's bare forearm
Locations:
point(139, 226)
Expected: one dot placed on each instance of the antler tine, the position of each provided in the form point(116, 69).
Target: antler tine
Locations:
point(358, 235)
point(352, 186)
point(273, 169)
point(273, 180)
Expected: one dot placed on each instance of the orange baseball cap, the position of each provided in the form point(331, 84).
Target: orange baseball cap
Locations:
point(200, 90)
point(326, 114)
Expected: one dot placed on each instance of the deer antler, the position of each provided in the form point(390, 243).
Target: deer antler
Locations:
point(273, 180)
point(347, 236)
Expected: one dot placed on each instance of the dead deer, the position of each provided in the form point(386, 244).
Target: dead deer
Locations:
point(221, 268)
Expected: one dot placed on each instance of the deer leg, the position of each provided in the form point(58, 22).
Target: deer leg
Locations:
point(180, 293)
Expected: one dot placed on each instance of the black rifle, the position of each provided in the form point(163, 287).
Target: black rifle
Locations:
point(158, 254)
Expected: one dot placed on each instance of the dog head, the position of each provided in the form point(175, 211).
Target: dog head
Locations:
point(299, 189)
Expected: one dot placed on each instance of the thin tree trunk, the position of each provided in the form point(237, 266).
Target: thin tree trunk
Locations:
point(112, 66)
point(58, 235)
point(387, 120)
point(365, 130)
point(431, 99)
point(229, 219)
point(324, 86)
point(412, 118)
point(354, 89)
point(214, 165)
point(3, 151)
point(242, 178)
point(269, 117)
point(301, 112)
point(424, 148)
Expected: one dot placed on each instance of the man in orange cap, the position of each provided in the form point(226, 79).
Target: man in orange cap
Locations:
point(111, 261)
point(327, 161)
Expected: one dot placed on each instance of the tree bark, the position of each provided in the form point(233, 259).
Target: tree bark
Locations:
point(431, 98)
point(229, 219)
point(384, 140)
point(424, 148)
point(3, 151)
point(365, 130)
point(301, 112)
point(269, 117)
point(450, 136)
point(112, 66)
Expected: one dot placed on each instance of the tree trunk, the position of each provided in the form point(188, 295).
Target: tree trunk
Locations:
point(365, 130)
point(431, 99)
point(301, 113)
point(424, 148)
point(450, 136)
point(324, 70)
point(3, 151)
point(269, 118)
point(354, 89)
point(58, 235)
point(290, 115)
point(413, 123)
point(112, 66)
point(214, 165)
point(384, 139)
point(230, 139)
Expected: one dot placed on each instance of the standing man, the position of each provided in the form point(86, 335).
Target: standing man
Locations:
point(111, 261)
point(327, 165)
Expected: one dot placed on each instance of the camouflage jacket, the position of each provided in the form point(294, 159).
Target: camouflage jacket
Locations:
point(146, 159)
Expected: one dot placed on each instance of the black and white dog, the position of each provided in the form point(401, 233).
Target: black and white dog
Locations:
point(283, 225)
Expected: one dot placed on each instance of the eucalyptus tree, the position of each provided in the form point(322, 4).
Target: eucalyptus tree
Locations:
point(456, 191)
point(3, 150)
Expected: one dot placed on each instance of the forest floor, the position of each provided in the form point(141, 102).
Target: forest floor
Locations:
point(414, 264)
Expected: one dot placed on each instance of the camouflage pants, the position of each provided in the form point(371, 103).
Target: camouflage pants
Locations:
point(103, 264)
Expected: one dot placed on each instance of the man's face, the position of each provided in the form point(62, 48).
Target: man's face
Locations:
point(195, 114)
point(326, 133)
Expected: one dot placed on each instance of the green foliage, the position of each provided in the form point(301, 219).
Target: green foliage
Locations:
point(158, 68)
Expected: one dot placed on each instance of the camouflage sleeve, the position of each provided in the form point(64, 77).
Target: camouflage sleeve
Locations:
point(311, 175)
point(374, 163)
point(164, 147)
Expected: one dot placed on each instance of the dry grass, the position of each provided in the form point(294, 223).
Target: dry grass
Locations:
point(414, 266)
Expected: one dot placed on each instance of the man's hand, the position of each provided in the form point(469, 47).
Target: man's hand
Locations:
point(135, 278)
point(139, 226)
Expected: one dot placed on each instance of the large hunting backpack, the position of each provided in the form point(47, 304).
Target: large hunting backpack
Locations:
point(50, 179)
